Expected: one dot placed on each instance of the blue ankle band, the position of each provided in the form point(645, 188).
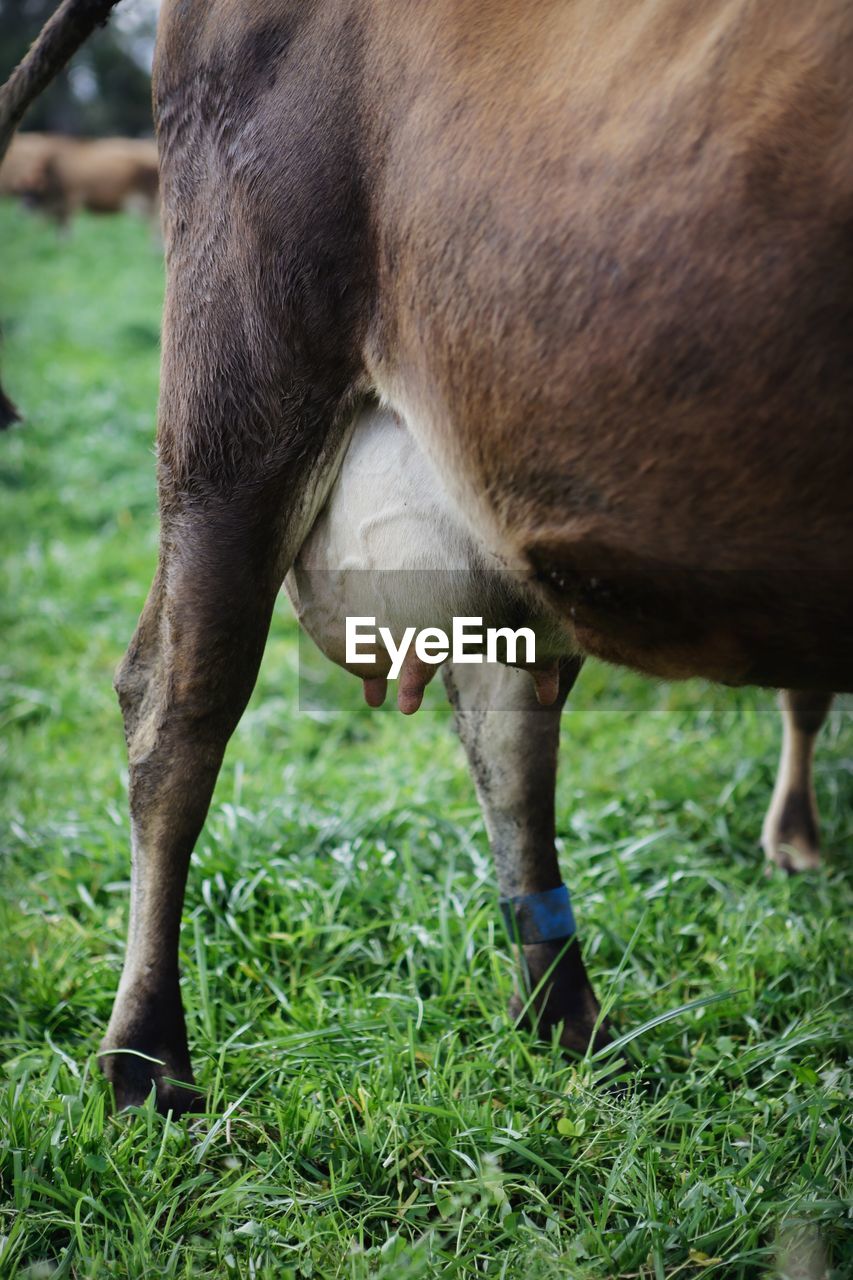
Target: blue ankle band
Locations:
point(540, 917)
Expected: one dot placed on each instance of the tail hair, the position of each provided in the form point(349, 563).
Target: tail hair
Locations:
point(60, 38)
point(8, 412)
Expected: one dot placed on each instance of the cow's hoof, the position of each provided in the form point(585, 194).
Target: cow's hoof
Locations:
point(574, 1038)
point(145, 1045)
point(793, 853)
point(562, 996)
point(792, 860)
point(132, 1078)
point(790, 837)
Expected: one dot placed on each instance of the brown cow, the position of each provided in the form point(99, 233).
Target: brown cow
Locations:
point(597, 256)
point(62, 175)
point(25, 172)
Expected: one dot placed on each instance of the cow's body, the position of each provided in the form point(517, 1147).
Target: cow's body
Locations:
point(597, 255)
point(62, 175)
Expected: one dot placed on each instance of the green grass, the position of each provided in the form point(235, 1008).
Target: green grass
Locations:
point(370, 1110)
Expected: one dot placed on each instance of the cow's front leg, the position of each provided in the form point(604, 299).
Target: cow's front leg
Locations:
point(790, 835)
point(512, 744)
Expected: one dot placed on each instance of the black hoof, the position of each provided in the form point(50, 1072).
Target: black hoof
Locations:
point(561, 996)
point(133, 1075)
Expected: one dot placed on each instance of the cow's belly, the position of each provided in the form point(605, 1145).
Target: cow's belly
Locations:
point(391, 545)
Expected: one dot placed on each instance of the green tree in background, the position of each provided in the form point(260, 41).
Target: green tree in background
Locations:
point(106, 88)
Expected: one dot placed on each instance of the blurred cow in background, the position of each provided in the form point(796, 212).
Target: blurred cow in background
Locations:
point(60, 175)
point(26, 171)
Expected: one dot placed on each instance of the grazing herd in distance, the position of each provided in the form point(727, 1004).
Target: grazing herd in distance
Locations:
point(59, 176)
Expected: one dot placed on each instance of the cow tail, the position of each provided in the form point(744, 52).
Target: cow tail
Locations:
point(60, 38)
point(8, 412)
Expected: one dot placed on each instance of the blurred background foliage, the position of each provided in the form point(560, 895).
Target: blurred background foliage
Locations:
point(106, 88)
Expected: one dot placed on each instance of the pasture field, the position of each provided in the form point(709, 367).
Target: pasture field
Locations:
point(370, 1109)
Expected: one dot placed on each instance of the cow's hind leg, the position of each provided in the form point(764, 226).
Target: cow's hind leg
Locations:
point(183, 686)
point(240, 480)
point(790, 835)
point(512, 744)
